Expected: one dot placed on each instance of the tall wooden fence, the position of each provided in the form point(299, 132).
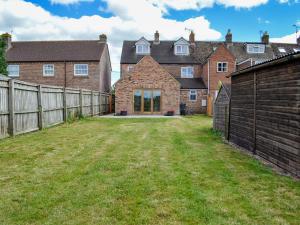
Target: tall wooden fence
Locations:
point(26, 107)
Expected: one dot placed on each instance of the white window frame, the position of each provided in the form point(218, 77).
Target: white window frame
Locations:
point(251, 48)
point(281, 50)
point(45, 74)
point(17, 70)
point(191, 93)
point(142, 49)
point(81, 74)
point(181, 49)
point(187, 72)
point(222, 71)
point(130, 68)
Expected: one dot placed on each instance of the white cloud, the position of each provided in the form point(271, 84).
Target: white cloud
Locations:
point(291, 38)
point(68, 2)
point(288, 1)
point(31, 22)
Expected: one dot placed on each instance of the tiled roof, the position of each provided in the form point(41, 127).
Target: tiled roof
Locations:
point(164, 52)
point(191, 83)
point(46, 51)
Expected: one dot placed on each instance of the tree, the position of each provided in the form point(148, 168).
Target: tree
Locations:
point(3, 65)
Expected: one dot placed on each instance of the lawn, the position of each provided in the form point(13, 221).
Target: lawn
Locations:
point(138, 171)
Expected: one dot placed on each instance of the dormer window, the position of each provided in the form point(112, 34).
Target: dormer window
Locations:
point(181, 47)
point(282, 50)
point(142, 47)
point(255, 48)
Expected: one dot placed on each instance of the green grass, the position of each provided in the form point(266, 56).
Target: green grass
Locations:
point(138, 171)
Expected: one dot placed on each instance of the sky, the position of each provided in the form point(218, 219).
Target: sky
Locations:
point(131, 19)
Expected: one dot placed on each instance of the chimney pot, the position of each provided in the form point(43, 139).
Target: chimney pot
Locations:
point(6, 37)
point(228, 37)
point(103, 38)
point(156, 38)
point(192, 37)
point(265, 39)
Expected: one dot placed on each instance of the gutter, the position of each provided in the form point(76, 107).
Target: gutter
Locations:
point(273, 62)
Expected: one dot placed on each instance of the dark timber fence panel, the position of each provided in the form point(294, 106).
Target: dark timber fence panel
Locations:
point(26, 107)
point(265, 114)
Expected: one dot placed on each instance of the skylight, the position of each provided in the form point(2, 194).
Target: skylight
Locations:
point(282, 50)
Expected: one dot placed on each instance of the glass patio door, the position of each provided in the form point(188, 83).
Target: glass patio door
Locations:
point(147, 101)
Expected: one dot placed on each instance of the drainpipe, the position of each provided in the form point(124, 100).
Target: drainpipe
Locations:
point(65, 73)
point(208, 78)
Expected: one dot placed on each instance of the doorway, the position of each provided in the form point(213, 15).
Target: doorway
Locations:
point(147, 101)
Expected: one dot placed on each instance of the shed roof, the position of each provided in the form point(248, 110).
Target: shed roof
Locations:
point(46, 51)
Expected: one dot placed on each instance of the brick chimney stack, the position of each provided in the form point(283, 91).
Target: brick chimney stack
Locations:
point(228, 37)
point(7, 39)
point(265, 39)
point(103, 38)
point(156, 38)
point(192, 38)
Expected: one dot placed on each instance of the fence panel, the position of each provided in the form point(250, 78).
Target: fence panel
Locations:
point(52, 103)
point(4, 114)
point(25, 107)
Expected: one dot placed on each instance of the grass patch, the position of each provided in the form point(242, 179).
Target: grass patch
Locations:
point(138, 171)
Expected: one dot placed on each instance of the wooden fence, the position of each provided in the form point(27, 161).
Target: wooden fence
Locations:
point(26, 107)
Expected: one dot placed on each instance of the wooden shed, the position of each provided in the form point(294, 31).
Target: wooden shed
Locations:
point(221, 109)
point(265, 111)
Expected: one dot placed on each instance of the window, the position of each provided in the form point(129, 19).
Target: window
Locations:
point(130, 68)
point(142, 49)
point(296, 49)
point(222, 67)
point(255, 48)
point(187, 72)
point(193, 95)
point(13, 70)
point(48, 70)
point(282, 50)
point(181, 50)
point(81, 70)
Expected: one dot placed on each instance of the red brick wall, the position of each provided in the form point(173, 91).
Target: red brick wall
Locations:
point(194, 107)
point(33, 72)
point(148, 74)
point(173, 69)
point(222, 54)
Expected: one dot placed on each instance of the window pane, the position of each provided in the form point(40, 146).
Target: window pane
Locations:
point(137, 100)
point(147, 100)
point(13, 70)
point(81, 69)
point(156, 100)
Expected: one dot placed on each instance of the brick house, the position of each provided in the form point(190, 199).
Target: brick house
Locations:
point(77, 64)
point(198, 66)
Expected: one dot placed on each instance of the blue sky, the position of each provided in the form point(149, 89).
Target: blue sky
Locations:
point(131, 19)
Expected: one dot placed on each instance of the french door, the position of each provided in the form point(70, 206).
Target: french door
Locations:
point(147, 101)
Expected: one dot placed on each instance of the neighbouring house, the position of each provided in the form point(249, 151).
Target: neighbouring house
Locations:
point(265, 112)
point(221, 109)
point(198, 66)
point(81, 64)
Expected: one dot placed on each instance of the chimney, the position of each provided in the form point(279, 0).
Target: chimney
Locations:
point(156, 38)
point(228, 37)
point(7, 40)
point(103, 38)
point(192, 38)
point(265, 38)
point(298, 41)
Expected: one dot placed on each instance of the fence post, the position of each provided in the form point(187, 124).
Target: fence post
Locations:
point(81, 103)
point(40, 108)
point(99, 93)
point(65, 105)
point(92, 103)
point(11, 107)
point(100, 103)
point(254, 113)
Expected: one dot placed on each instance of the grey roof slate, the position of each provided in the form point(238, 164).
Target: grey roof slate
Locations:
point(47, 51)
point(191, 83)
point(163, 53)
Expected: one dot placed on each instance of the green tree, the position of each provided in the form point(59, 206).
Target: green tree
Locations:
point(3, 65)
